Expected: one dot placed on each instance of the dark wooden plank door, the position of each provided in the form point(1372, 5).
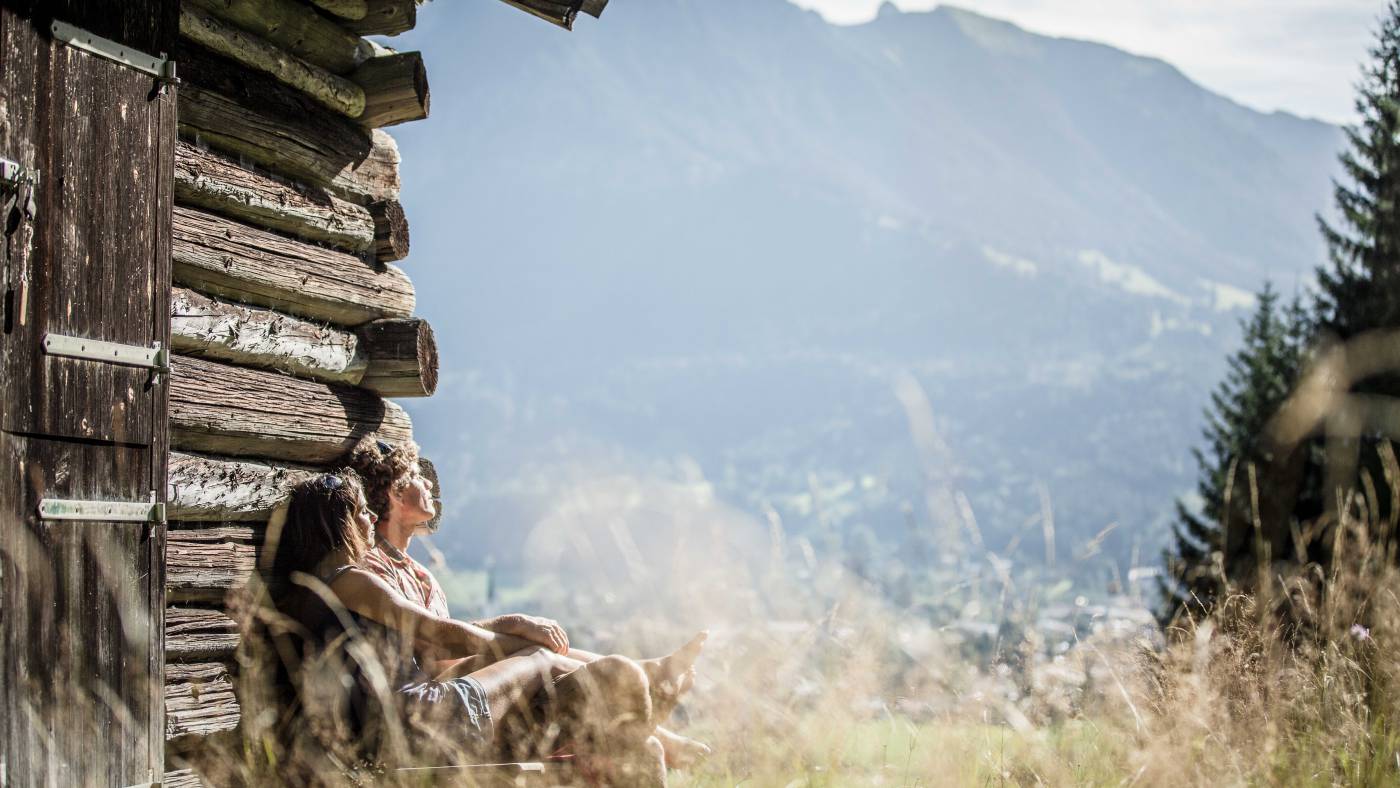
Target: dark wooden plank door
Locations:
point(82, 602)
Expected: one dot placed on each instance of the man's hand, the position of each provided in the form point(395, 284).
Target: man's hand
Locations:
point(543, 631)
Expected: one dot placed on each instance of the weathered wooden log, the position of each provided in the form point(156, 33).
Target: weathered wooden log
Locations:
point(337, 94)
point(199, 701)
point(223, 489)
point(221, 409)
point(350, 10)
point(256, 337)
point(197, 634)
point(205, 179)
point(225, 258)
point(295, 28)
point(183, 778)
point(385, 18)
point(390, 231)
point(256, 117)
point(378, 173)
point(395, 87)
point(560, 13)
point(403, 357)
point(204, 570)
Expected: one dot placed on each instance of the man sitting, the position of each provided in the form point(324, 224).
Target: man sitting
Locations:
point(401, 496)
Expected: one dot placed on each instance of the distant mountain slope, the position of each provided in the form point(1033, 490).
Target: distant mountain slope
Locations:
point(707, 239)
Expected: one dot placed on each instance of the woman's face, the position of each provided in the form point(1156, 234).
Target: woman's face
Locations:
point(365, 519)
point(415, 499)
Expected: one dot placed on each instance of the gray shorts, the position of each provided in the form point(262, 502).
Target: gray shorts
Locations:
point(453, 715)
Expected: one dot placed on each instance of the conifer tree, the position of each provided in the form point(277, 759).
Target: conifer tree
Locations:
point(1215, 544)
point(1360, 288)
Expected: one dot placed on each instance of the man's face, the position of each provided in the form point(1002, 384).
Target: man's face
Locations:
point(415, 499)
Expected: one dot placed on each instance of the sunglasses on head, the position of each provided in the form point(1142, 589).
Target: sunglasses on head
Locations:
point(329, 482)
point(383, 446)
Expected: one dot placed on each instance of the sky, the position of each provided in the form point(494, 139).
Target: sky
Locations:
point(1302, 56)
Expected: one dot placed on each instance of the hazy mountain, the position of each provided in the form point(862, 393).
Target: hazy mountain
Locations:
point(720, 246)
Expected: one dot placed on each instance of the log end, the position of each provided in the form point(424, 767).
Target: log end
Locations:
point(391, 240)
point(403, 358)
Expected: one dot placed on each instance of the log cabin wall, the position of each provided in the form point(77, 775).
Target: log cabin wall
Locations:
point(291, 324)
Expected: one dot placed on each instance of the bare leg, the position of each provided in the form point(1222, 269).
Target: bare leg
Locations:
point(676, 673)
point(511, 682)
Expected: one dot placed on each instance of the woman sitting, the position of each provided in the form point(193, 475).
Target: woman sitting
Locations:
point(350, 652)
point(400, 496)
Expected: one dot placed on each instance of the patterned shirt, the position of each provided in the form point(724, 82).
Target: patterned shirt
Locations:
point(407, 576)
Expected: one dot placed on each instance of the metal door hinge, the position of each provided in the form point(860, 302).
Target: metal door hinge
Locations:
point(162, 67)
point(14, 175)
point(154, 357)
point(104, 511)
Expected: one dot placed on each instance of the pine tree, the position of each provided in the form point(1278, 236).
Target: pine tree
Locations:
point(1217, 543)
point(1360, 289)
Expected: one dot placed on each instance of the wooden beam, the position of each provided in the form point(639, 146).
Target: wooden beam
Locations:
point(560, 13)
point(198, 634)
point(258, 118)
point(224, 489)
point(257, 337)
point(332, 92)
point(349, 10)
point(182, 778)
point(225, 258)
point(390, 231)
point(294, 28)
point(222, 409)
point(386, 18)
point(403, 358)
point(205, 179)
point(395, 89)
point(197, 570)
point(199, 701)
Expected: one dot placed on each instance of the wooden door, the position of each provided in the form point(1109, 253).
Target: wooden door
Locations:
point(82, 601)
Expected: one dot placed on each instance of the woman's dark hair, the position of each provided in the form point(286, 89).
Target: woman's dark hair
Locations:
point(320, 519)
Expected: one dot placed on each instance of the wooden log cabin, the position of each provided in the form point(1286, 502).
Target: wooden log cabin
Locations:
point(206, 299)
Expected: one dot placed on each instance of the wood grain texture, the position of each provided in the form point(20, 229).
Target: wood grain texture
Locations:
point(199, 701)
point(221, 409)
point(403, 358)
point(254, 116)
point(205, 179)
point(256, 337)
point(224, 258)
point(227, 490)
point(330, 91)
point(395, 89)
point(390, 231)
point(386, 18)
point(199, 634)
point(293, 27)
point(349, 10)
point(183, 778)
point(80, 627)
point(200, 569)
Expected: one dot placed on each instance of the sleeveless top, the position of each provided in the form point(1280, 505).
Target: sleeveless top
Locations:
point(341, 670)
point(352, 679)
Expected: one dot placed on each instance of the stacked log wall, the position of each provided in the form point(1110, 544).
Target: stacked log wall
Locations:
point(290, 324)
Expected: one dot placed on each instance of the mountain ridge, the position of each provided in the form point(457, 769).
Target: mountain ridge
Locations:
point(725, 231)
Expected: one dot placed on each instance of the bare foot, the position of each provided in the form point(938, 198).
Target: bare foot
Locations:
point(681, 751)
point(672, 676)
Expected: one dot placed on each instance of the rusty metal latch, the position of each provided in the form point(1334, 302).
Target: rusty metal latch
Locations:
point(162, 67)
